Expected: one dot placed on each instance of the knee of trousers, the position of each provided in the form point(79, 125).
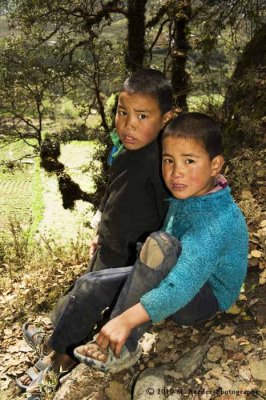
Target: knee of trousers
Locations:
point(157, 246)
point(84, 286)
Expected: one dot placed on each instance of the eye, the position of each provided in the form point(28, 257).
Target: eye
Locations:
point(121, 113)
point(167, 161)
point(142, 116)
point(189, 161)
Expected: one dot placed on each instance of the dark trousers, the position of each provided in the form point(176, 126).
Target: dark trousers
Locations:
point(118, 289)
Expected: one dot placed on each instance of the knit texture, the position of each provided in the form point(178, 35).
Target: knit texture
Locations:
point(214, 240)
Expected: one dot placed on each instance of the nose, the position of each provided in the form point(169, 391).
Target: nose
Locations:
point(130, 123)
point(177, 170)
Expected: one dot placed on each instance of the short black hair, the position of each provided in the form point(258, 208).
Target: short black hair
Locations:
point(152, 83)
point(198, 126)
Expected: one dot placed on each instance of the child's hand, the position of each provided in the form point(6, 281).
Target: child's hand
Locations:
point(114, 334)
point(117, 330)
point(94, 245)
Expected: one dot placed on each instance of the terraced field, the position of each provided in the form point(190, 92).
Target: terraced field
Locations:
point(17, 192)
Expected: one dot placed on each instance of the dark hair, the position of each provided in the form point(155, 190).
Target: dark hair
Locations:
point(152, 83)
point(197, 126)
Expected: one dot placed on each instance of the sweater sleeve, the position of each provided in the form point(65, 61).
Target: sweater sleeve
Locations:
point(196, 263)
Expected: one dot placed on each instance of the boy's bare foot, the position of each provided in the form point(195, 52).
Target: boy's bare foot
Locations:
point(94, 356)
point(94, 351)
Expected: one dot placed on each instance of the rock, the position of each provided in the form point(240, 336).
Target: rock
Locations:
point(189, 362)
point(215, 353)
point(83, 383)
point(151, 364)
point(117, 390)
point(165, 339)
point(173, 374)
point(258, 369)
point(149, 385)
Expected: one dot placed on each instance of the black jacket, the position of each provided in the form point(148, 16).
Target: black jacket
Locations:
point(134, 204)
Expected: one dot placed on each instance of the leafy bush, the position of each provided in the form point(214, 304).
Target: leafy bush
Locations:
point(75, 130)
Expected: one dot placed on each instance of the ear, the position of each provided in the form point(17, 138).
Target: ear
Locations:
point(217, 165)
point(167, 116)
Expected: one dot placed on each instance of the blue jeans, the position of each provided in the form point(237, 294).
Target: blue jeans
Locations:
point(118, 289)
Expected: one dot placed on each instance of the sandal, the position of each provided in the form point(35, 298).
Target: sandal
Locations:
point(35, 338)
point(33, 373)
point(45, 383)
point(112, 364)
point(35, 389)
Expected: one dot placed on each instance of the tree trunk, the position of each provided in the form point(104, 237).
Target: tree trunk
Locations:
point(181, 14)
point(245, 101)
point(134, 58)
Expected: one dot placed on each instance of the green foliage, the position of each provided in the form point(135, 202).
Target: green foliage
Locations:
point(69, 131)
point(110, 109)
point(204, 103)
point(68, 109)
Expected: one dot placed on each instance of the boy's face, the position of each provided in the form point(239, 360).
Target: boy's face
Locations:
point(138, 119)
point(187, 168)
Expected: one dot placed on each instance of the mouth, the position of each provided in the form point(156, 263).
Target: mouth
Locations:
point(129, 139)
point(178, 186)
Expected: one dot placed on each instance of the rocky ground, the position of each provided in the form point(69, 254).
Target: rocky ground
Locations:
point(224, 359)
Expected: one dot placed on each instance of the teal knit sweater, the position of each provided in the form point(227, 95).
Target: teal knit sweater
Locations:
point(214, 240)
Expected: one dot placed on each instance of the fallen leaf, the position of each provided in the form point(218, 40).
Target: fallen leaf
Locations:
point(230, 344)
point(256, 253)
point(235, 310)
point(148, 341)
point(215, 353)
point(258, 369)
point(253, 302)
point(225, 383)
point(244, 372)
point(262, 279)
point(227, 330)
point(246, 194)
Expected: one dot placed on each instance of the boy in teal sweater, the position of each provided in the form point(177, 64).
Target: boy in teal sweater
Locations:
point(190, 286)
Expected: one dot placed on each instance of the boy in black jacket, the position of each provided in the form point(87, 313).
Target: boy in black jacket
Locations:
point(134, 203)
